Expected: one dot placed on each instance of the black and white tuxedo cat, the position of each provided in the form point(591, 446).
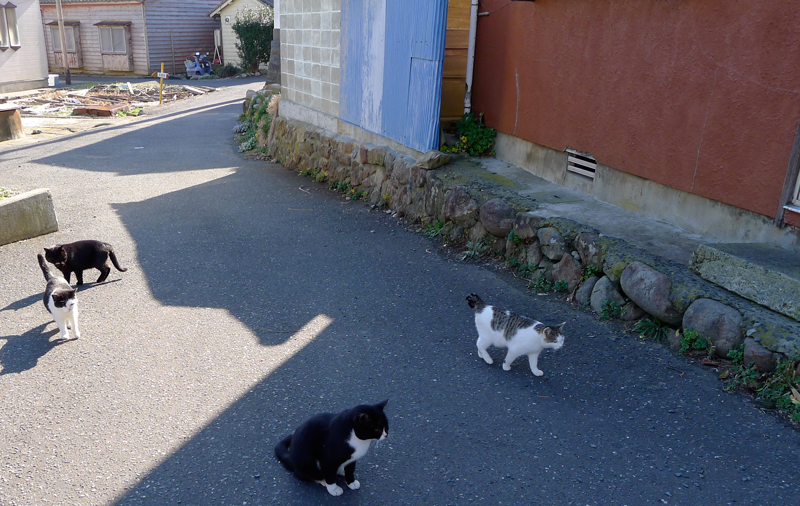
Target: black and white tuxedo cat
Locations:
point(329, 444)
point(59, 298)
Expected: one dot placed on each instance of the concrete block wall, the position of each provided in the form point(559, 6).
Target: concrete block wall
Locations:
point(310, 50)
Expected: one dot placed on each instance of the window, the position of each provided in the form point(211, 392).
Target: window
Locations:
point(9, 32)
point(796, 194)
point(69, 35)
point(112, 40)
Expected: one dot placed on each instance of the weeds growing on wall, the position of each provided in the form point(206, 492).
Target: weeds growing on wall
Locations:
point(691, 341)
point(434, 229)
point(590, 271)
point(610, 309)
point(651, 328)
point(779, 389)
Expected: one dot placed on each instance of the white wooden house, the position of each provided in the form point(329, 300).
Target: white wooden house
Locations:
point(226, 13)
point(23, 61)
point(128, 36)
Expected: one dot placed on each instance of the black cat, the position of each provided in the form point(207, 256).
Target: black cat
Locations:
point(79, 256)
point(329, 444)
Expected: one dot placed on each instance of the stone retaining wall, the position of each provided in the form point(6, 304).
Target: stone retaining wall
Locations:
point(487, 217)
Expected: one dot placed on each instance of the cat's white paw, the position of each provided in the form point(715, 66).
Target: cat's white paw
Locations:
point(334, 489)
point(485, 356)
point(355, 485)
point(506, 367)
point(537, 372)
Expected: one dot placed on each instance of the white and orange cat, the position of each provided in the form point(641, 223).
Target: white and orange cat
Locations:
point(505, 329)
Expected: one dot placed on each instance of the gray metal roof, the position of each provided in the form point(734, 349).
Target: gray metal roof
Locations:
point(53, 2)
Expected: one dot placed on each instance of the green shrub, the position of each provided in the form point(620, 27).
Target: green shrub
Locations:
point(253, 28)
point(474, 137)
point(229, 70)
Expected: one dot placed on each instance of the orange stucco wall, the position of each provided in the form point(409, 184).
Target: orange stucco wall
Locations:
point(699, 95)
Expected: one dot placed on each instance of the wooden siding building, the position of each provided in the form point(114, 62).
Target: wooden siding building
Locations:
point(128, 36)
point(23, 61)
point(454, 77)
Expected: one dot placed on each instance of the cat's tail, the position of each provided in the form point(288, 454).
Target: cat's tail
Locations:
point(282, 452)
point(113, 258)
point(475, 302)
point(45, 268)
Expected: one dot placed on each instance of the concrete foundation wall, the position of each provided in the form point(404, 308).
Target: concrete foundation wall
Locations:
point(690, 212)
point(298, 112)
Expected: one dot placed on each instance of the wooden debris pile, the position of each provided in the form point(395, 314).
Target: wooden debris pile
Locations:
point(113, 97)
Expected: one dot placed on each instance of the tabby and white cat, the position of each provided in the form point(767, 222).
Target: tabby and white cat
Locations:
point(504, 329)
point(329, 444)
point(59, 298)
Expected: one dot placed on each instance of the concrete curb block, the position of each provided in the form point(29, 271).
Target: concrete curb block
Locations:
point(769, 287)
point(27, 215)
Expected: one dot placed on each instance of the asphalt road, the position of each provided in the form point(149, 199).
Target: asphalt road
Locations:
point(256, 298)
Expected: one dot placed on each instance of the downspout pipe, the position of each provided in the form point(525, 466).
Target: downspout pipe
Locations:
point(473, 28)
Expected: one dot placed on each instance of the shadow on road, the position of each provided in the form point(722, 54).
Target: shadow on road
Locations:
point(23, 303)
point(21, 353)
point(87, 133)
point(613, 420)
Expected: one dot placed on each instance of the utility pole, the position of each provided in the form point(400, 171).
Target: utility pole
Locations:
point(64, 56)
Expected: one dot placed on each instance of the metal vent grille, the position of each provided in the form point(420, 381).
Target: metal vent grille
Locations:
point(581, 163)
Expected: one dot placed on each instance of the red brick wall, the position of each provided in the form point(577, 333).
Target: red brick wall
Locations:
point(699, 95)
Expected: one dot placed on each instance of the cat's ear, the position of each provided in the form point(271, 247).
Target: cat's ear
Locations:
point(560, 327)
point(71, 293)
point(363, 418)
point(382, 405)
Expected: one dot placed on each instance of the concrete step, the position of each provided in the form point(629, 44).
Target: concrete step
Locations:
point(764, 274)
